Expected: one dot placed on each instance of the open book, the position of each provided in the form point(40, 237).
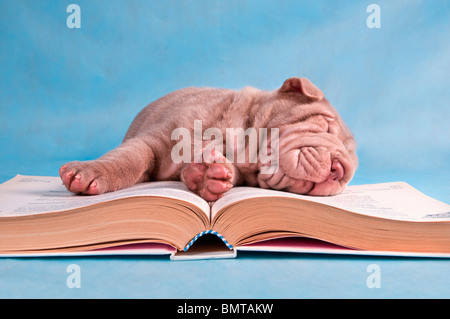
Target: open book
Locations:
point(39, 217)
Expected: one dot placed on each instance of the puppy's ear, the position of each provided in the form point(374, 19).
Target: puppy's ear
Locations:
point(302, 85)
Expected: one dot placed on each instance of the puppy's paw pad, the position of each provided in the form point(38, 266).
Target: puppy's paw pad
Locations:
point(81, 178)
point(209, 180)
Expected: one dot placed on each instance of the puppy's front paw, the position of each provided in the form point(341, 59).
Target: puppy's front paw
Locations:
point(83, 178)
point(209, 179)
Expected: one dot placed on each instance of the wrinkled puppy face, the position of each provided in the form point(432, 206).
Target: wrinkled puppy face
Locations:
point(317, 152)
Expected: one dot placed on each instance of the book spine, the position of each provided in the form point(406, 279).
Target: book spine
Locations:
point(208, 232)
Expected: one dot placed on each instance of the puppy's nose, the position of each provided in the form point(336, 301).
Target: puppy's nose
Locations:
point(336, 171)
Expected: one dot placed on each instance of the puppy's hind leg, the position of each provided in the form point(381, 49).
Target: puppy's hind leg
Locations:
point(126, 165)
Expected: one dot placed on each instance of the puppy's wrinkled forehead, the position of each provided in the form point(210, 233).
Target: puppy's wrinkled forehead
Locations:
point(306, 101)
point(298, 99)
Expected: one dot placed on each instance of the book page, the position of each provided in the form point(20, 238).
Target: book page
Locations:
point(399, 201)
point(28, 195)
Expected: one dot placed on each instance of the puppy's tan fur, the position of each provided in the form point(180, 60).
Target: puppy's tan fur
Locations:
point(317, 152)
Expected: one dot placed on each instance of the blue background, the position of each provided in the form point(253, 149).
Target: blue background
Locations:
point(70, 94)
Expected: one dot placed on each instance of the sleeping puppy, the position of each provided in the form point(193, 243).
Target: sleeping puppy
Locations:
point(315, 151)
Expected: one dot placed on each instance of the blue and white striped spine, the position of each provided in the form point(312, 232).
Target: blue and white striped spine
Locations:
point(208, 232)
